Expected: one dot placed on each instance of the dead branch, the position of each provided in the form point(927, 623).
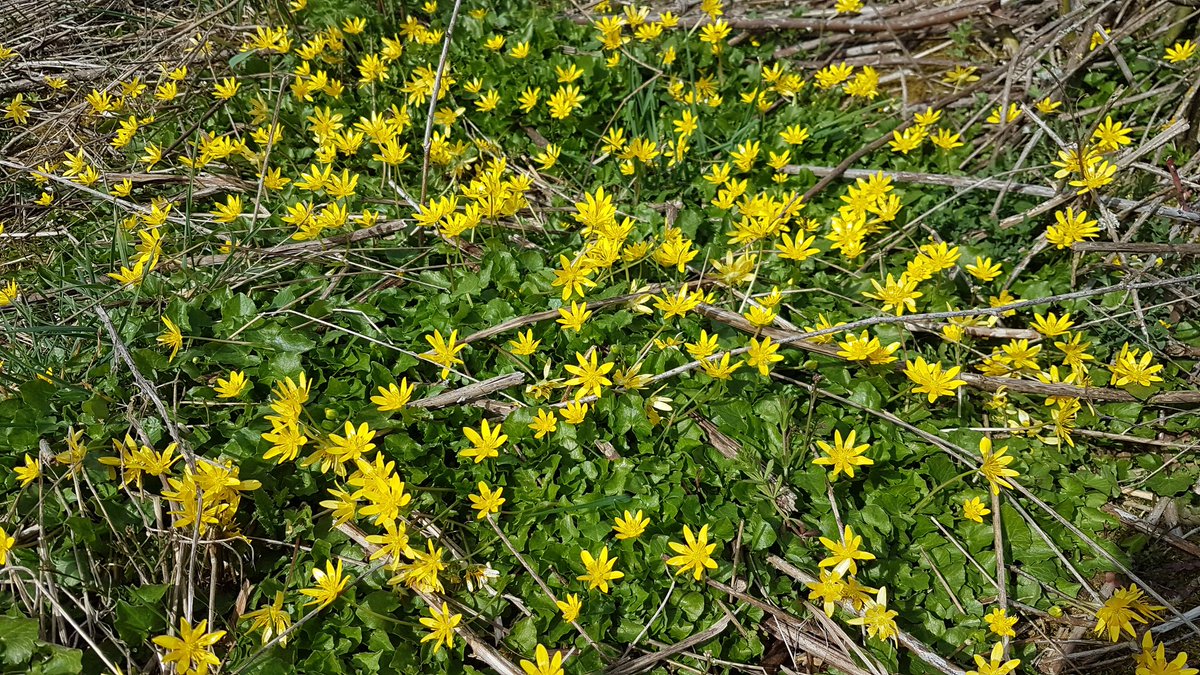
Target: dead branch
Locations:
point(469, 393)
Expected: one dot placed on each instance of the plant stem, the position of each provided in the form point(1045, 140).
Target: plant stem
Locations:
point(944, 485)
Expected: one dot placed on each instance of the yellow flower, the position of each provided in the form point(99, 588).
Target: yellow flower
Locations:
point(1072, 227)
point(760, 316)
point(1128, 369)
point(1121, 610)
point(1180, 51)
point(564, 101)
point(574, 318)
point(6, 545)
point(1010, 115)
point(1152, 662)
point(844, 557)
point(524, 345)
point(546, 665)
point(678, 304)
point(900, 294)
point(9, 293)
point(720, 369)
point(272, 620)
point(17, 110)
point(226, 89)
point(995, 665)
point(489, 101)
point(121, 189)
point(441, 627)
point(573, 277)
point(1094, 177)
point(843, 455)
point(1000, 623)
point(984, 269)
point(931, 379)
point(974, 510)
point(762, 354)
point(570, 608)
point(230, 210)
point(877, 618)
point(714, 33)
point(568, 74)
point(589, 375)
point(444, 352)
point(1112, 135)
point(1052, 325)
point(547, 159)
point(545, 423)
point(191, 652)
point(171, 337)
point(908, 140)
point(487, 501)
point(631, 526)
point(695, 554)
point(574, 412)
point(1048, 106)
point(485, 443)
point(528, 99)
point(394, 397)
point(30, 472)
point(166, 91)
point(829, 589)
point(946, 140)
point(233, 387)
point(599, 570)
point(994, 466)
point(129, 277)
point(330, 584)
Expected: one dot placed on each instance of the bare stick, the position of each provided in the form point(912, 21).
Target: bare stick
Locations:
point(471, 392)
point(433, 96)
point(144, 385)
point(1001, 576)
point(1143, 248)
point(915, 21)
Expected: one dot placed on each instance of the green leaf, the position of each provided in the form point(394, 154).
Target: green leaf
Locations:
point(523, 637)
point(136, 623)
point(18, 639)
point(61, 661)
point(692, 604)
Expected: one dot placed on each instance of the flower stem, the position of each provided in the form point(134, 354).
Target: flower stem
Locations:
point(944, 485)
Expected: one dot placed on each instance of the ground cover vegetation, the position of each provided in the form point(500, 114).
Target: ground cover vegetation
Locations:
point(544, 338)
